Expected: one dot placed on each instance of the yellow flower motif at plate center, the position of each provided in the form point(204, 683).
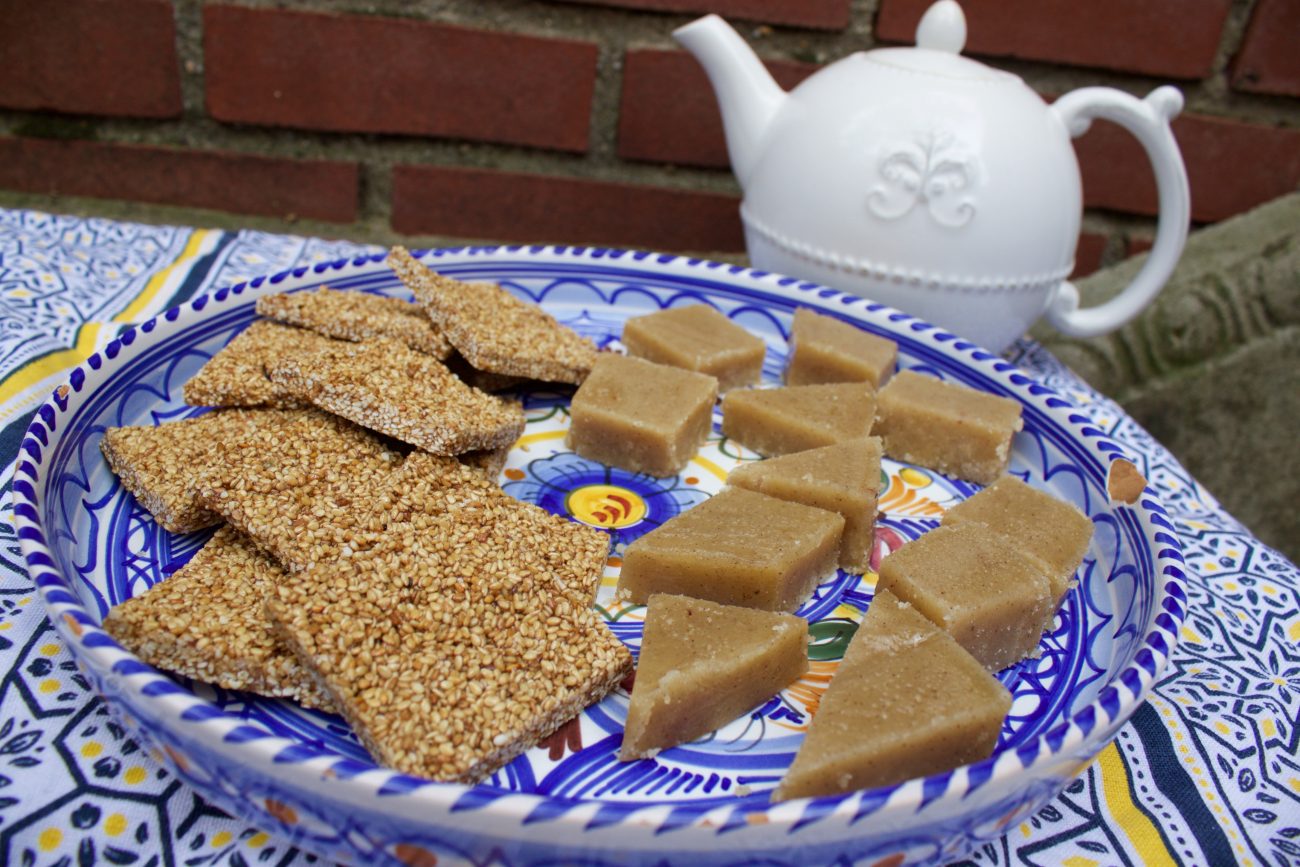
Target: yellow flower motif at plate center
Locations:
point(608, 506)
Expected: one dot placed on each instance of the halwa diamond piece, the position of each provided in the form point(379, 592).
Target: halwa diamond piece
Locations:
point(794, 418)
point(977, 586)
point(702, 665)
point(739, 548)
point(697, 337)
point(1043, 525)
point(947, 427)
point(843, 478)
point(824, 349)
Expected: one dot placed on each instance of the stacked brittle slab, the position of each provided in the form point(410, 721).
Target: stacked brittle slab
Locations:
point(369, 563)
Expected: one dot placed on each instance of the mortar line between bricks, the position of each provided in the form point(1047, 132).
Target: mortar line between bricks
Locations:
point(188, 16)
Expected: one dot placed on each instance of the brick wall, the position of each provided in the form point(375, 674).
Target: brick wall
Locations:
point(574, 121)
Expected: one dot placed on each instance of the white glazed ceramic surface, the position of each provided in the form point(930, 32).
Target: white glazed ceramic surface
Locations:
point(302, 774)
point(931, 182)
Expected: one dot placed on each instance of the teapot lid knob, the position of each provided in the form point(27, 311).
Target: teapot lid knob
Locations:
point(942, 28)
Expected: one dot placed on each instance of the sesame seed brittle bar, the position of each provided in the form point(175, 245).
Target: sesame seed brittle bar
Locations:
point(159, 464)
point(301, 497)
point(450, 623)
point(458, 637)
point(388, 387)
point(236, 376)
point(357, 316)
point(428, 486)
point(207, 621)
point(495, 331)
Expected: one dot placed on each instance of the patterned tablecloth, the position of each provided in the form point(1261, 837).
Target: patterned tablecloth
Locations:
point(1206, 772)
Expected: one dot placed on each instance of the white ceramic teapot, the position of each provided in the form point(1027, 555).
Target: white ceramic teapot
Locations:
point(931, 182)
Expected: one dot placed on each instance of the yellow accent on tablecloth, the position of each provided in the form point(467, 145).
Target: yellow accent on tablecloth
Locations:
point(1142, 834)
point(91, 336)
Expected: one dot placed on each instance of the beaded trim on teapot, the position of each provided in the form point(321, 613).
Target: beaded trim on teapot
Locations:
point(895, 274)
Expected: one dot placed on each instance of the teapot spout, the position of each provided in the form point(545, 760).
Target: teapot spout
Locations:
point(747, 93)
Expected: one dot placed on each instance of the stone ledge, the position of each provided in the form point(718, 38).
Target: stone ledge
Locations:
point(1232, 423)
point(1212, 368)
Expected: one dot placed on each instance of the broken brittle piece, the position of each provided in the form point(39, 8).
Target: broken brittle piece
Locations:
point(495, 331)
point(388, 387)
point(236, 376)
point(357, 316)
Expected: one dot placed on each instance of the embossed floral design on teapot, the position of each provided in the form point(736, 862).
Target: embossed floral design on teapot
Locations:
point(931, 182)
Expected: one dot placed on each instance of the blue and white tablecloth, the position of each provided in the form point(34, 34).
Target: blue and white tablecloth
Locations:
point(1206, 772)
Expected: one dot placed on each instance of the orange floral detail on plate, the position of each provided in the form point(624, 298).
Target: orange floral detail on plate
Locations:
point(809, 689)
point(610, 506)
point(567, 738)
point(899, 497)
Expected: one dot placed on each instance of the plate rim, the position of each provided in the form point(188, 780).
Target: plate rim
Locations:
point(1111, 706)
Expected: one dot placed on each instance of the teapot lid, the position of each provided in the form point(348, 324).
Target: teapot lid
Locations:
point(940, 38)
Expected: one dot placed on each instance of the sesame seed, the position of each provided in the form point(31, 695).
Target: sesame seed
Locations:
point(160, 464)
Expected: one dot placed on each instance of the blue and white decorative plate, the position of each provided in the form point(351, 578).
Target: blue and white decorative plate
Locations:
point(303, 775)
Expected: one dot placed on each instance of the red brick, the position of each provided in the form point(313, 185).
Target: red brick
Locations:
point(1134, 245)
point(237, 183)
point(504, 206)
point(1231, 166)
point(1269, 59)
point(1171, 38)
point(103, 57)
point(820, 14)
point(351, 73)
point(1088, 254)
point(668, 112)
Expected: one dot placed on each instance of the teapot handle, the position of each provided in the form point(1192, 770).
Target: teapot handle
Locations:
point(1148, 120)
